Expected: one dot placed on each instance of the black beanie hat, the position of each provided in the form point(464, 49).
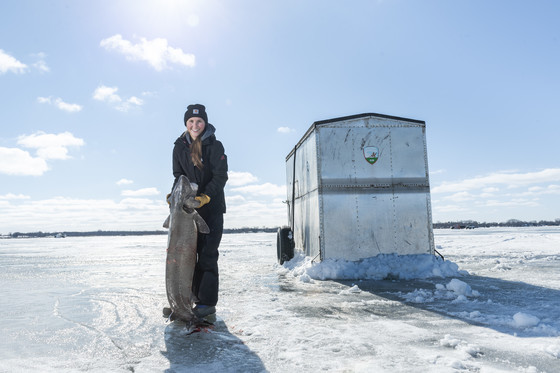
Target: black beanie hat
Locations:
point(196, 110)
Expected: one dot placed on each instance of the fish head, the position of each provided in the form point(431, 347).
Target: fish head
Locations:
point(182, 196)
point(182, 205)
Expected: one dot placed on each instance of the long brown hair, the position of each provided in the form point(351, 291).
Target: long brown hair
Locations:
point(196, 153)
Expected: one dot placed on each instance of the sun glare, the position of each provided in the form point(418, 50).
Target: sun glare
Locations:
point(163, 18)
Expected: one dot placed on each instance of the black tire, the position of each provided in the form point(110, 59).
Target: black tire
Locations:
point(284, 245)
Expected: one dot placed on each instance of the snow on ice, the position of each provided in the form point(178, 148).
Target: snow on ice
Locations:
point(94, 305)
point(380, 267)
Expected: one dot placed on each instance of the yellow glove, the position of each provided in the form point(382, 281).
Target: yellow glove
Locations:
point(167, 198)
point(203, 199)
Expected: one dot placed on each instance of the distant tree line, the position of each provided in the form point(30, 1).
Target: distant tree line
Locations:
point(121, 233)
point(509, 223)
point(439, 225)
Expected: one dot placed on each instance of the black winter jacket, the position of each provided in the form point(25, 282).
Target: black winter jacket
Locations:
point(212, 179)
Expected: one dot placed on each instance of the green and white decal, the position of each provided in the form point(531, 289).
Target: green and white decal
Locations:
point(371, 154)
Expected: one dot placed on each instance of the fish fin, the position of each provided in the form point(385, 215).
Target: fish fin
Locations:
point(166, 222)
point(201, 224)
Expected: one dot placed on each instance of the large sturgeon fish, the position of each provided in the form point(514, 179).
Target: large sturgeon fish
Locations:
point(184, 223)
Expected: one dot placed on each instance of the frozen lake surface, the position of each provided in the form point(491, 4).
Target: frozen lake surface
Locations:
point(94, 305)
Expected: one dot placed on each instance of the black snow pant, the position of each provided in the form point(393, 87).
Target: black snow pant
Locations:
point(206, 279)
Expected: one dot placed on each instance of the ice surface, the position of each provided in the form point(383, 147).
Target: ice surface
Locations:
point(94, 305)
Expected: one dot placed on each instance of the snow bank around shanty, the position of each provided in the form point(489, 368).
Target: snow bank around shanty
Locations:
point(405, 267)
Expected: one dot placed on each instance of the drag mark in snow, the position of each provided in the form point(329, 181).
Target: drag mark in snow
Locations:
point(56, 312)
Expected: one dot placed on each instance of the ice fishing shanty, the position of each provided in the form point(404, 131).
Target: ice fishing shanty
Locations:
point(358, 186)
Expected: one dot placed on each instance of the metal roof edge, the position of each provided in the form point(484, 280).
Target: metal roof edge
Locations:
point(355, 116)
point(349, 117)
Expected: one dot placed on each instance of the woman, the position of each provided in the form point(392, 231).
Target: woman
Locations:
point(201, 158)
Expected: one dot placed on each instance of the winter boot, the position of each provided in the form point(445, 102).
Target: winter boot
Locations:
point(202, 311)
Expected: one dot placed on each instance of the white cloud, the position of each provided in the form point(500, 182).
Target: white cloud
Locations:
point(140, 192)
point(66, 106)
point(499, 196)
point(124, 182)
point(285, 130)
point(240, 178)
point(50, 146)
point(130, 103)
point(9, 63)
point(14, 196)
point(155, 52)
point(538, 191)
point(254, 205)
point(70, 214)
point(449, 208)
point(139, 209)
point(106, 94)
point(266, 189)
point(518, 202)
point(135, 203)
point(57, 102)
point(14, 161)
point(110, 96)
point(256, 213)
point(437, 172)
point(130, 213)
point(461, 197)
point(53, 152)
point(235, 200)
point(135, 100)
point(41, 65)
point(511, 180)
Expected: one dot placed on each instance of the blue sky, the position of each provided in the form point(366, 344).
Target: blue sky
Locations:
point(93, 96)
